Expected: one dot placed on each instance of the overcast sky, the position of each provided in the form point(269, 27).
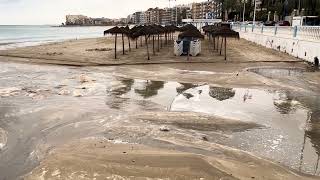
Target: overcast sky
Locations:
point(26, 12)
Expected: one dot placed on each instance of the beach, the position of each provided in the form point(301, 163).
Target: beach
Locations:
point(70, 110)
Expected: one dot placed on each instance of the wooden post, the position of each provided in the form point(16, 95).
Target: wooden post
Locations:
point(218, 44)
point(209, 43)
point(122, 44)
point(115, 46)
point(225, 47)
point(154, 52)
point(214, 42)
point(137, 43)
point(221, 46)
point(158, 42)
point(166, 38)
point(147, 47)
point(129, 44)
point(161, 41)
point(189, 50)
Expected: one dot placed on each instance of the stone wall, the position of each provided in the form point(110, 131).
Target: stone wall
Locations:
point(300, 42)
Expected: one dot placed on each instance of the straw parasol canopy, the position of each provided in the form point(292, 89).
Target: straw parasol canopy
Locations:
point(188, 27)
point(225, 32)
point(127, 33)
point(210, 28)
point(115, 31)
point(143, 31)
point(131, 32)
point(191, 34)
point(169, 30)
point(221, 30)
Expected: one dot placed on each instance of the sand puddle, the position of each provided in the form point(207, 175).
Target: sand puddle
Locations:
point(272, 72)
point(290, 130)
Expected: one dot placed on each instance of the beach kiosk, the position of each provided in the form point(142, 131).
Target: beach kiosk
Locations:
point(189, 42)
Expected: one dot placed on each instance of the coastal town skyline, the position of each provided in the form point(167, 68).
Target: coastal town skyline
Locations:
point(35, 12)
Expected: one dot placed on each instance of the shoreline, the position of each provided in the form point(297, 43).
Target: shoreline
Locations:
point(87, 25)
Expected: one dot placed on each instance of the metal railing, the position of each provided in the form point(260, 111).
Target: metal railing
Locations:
point(309, 33)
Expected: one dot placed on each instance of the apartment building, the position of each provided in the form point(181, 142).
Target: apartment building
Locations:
point(207, 10)
point(175, 15)
point(153, 16)
point(168, 16)
point(142, 18)
point(136, 17)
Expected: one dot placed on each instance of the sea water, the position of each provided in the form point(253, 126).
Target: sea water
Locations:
point(12, 36)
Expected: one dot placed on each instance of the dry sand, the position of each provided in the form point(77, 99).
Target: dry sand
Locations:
point(82, 52)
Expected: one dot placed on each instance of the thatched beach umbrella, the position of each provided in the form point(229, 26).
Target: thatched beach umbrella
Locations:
point(160, 30)
point(188, 27)
point(145, 31)
point(191, 34)
point(173, 29)
point(127, 32)
point(225, 32)
point(114, 31)
point(209, 30)
point(124, 32)
point(132, 31)
point(152, 31)
point(169, 30)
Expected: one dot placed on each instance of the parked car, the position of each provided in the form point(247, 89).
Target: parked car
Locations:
point(269, 23)
point(283, 23)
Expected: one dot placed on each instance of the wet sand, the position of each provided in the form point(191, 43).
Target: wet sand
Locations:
point(98, 159)
point(68, 122)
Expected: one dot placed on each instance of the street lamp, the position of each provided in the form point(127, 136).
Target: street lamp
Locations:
point(176, 13)
point(254, 13)
point(244, 9)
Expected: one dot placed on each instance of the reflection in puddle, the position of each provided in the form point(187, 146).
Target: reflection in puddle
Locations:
point(150, 89)
point(221, 94)
point(243, 104)
point(293, 126)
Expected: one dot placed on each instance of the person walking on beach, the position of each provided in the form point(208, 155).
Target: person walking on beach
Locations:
point(316, 62)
